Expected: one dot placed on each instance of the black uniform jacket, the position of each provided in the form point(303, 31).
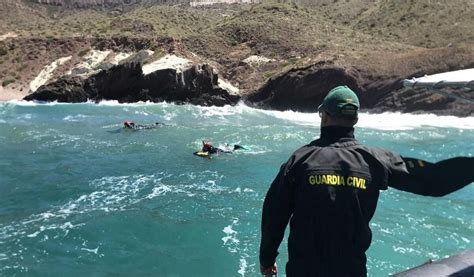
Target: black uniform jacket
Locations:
point(329, 188)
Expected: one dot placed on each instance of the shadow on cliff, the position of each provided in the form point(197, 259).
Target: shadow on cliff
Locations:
point(303, 89)
point(126, 83)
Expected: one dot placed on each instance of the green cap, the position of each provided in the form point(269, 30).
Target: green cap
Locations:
point(342, 101)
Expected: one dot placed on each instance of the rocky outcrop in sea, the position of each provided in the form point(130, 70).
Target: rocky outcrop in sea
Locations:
point(196, 84)
point(303, 88)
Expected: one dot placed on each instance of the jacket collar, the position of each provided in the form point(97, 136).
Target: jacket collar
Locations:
point(335, 133)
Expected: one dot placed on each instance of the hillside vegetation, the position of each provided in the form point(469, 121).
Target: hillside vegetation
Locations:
point(370, 34)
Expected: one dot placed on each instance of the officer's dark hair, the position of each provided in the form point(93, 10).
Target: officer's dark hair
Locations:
point(343, 120)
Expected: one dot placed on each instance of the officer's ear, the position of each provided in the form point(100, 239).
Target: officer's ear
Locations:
point(325, 118)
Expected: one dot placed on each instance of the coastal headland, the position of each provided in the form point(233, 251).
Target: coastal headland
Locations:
point(272, 54)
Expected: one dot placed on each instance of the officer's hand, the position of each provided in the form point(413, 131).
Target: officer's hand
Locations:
point(269, 271)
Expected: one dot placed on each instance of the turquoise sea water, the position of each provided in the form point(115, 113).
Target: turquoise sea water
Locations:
point(81, 196)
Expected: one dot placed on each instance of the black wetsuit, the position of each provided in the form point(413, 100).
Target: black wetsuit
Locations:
point(145, 126)
point(214, 150)
point(329, 188)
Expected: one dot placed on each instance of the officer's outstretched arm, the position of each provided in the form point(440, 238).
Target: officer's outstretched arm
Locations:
point(434, 179)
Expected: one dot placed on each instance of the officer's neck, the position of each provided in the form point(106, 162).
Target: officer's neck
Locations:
point(336, 132)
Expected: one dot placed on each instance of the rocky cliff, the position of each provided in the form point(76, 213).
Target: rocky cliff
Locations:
point(280, 56)
point(302, 89)
point(126, 83)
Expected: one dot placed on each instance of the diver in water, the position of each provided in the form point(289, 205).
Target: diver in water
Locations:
point(133, 126)
point(209, 148)
point(129, 125)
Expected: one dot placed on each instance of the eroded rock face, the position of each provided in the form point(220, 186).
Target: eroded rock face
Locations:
point(304, 89)
point(126, 83)
point(446, 101)
point(68, 90)
point(122, 83)
point(195, 85)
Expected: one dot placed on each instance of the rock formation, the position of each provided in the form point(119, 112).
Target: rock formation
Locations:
point(126, 83)
point(302, 90)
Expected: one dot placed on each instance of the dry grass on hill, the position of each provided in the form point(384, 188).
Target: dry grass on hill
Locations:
point(368, 33)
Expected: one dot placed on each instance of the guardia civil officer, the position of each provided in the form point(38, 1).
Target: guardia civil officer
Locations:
point(330, 187)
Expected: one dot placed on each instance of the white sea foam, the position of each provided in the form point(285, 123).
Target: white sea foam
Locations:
point(34, 103)
point(33, 235)
point(75, 118)
point(113, 103)
point(217, 111)
point(242, 266)
point(401, 121)
point(231, 236)
point(27, 116)
point(231, 241)
point(141, 113)
point(168, 116)
point(95, 250)
point(61, 140)
point(157, 191)
point(383, 121)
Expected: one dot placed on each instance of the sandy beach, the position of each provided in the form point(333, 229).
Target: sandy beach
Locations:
point(7, 94)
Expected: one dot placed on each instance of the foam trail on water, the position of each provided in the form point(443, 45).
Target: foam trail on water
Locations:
point(383, 121)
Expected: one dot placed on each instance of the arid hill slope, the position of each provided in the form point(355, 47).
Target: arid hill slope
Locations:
point(389, 38)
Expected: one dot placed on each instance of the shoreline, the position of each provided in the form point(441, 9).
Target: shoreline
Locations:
point(369, 119)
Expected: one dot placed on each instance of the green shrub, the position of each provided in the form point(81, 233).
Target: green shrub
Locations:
point(22, 67)
point(7, 82)
point(292, 60)
point(268, 75)
point(83, 52)
point(3, 51)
